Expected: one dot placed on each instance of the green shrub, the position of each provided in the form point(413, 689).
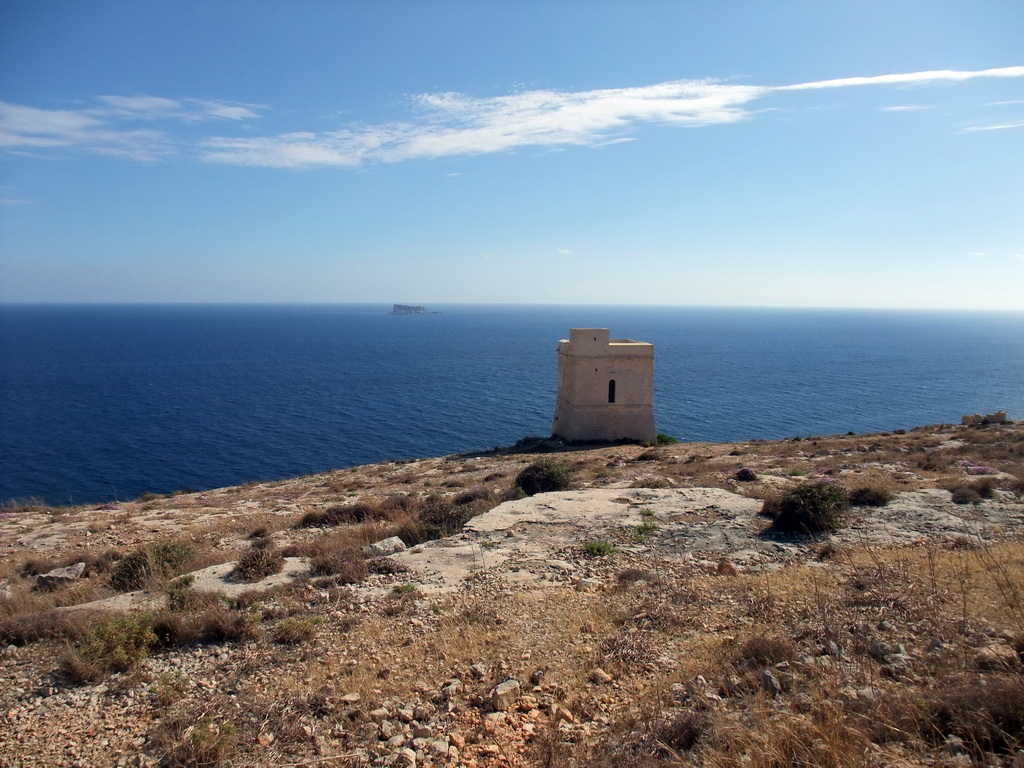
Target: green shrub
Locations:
point(598, 548)
point(443, 516)
point(257, 563)
point(387, 566)
point(346, 514)
point(663, 439)
point(212, 624)
point(652, 481)
point(985, 487)
point(295, 631)
point(473, 496)
point(440, 516)
point(964, 494)
point(159, 560)
point(132, 571)
point(345, 567)
point(870, 496)
point(766, 650)
point(645, 529)
point(116, 645)
point(633, 575)
point(180, 593)
point(544, 476)
point(811, 507)
point(987, 712)
point(183, 742)
point(172, 554)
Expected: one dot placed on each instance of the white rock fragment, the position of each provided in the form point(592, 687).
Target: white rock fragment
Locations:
point(388, 546)
point(505, 695)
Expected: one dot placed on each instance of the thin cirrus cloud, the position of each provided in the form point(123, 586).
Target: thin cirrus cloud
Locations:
point(454, 124)
point(105, 127)
point(189, 110)
point(994, 127)
point(441, 124)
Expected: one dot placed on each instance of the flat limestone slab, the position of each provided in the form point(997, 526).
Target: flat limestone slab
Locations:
point(609, 507)
point(522, 539)
point(212, 579)
point(216, 577)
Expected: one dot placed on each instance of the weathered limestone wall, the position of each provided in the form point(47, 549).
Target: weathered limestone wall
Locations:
point(999, 417)
point(589, 406)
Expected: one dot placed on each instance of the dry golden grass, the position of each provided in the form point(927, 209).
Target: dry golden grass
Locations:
point(686, 647)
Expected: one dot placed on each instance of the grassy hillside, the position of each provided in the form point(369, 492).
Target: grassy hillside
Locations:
point(839, 651)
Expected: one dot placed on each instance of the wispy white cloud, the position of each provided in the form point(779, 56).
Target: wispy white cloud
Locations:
point(453, 124)
point(27, 129)
point(564, 252)
point(105, 127)
point(12, 201)
point(440, 124)
point(904, 108)
point(909, 78)
point(159, 108)
point(993, 127)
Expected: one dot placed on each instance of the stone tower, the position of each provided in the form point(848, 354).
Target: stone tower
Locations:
point(605, 388)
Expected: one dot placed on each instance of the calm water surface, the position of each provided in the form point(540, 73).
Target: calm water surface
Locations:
point(105, 402)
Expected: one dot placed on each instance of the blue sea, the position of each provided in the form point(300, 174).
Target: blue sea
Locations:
point(105, 402)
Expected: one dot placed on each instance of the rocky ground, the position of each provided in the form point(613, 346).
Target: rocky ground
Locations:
point(648, 616)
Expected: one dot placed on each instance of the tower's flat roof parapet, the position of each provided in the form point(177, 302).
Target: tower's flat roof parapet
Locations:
point(588, 342)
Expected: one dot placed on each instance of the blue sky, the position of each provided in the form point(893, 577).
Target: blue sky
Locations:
point(857, 154)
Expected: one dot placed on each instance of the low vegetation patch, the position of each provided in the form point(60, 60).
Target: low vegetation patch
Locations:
point(387, 566)
point(598, 548)
point(346, 514)
point(440, 516)
point(259, 561)
point(810, 507)
point(848, 653)
point(766, 650)
point(27, 627)
point(343, 567)
point(652, 481)
point(116, 645)
point(185, 740)
point(633, 575)
point(157, 561)
point(544, 476)
point(211, 625)
point(964, 494)
point(645, 529)
point(870, 496)
point(294, 631)
point(648, 456)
